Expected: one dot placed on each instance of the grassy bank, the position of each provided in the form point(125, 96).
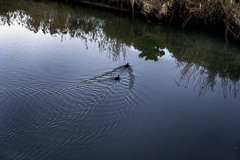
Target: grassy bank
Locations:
point(208, 13)
point(221, 15)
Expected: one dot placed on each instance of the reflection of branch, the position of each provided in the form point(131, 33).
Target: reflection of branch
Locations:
point(18, 17)
point(88, 29)
point(204, 81)
point(230, 87)
point(113, 47)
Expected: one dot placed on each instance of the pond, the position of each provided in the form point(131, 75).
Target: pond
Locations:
point(59, 99)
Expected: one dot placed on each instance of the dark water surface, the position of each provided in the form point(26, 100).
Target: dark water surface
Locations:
point(178, 99)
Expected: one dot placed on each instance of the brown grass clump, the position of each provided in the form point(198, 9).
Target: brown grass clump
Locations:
point(210, 13)
point(202, 12)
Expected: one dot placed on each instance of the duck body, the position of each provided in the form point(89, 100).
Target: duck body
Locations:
point(117, 78)
point(127, 65)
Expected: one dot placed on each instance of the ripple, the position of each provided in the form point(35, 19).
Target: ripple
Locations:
point(49, 122)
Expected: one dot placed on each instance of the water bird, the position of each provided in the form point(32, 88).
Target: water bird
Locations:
point(127, 65)
point(64, 32)
point(117, 78)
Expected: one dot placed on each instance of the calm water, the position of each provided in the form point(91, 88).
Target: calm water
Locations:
point(178, 99)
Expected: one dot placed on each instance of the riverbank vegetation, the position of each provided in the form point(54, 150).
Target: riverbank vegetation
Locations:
point(221, 15)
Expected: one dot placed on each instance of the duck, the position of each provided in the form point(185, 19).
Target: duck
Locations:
point(117, 78)
point(127, 65)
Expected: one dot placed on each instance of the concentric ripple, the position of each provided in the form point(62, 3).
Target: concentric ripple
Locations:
point(37, 123)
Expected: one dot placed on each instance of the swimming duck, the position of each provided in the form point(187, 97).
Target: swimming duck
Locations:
point(117, 78)
point(127, 65)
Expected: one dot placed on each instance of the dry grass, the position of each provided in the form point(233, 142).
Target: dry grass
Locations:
point(201, 12)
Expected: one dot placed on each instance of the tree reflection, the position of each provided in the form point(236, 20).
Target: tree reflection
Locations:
point(206, 64)
point(204, 80)
point(58, 23)
point(219, 74)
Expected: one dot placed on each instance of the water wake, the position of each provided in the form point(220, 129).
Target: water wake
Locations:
point(39, 121)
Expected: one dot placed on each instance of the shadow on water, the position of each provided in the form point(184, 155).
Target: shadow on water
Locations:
point(74, 115)
point(214, 63)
